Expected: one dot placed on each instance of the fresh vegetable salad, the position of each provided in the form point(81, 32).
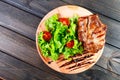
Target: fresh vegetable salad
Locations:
point(60, 38)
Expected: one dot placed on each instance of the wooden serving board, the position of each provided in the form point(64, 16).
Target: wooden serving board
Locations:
point(65, 11)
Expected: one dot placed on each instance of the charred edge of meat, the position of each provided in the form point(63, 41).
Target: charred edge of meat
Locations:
point(100, 35)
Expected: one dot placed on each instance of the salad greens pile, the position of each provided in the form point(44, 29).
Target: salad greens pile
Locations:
point(61, 34)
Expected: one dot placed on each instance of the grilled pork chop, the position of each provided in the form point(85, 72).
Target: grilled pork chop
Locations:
point(91, 31)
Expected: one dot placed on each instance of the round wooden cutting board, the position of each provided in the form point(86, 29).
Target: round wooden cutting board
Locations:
point(65, 11)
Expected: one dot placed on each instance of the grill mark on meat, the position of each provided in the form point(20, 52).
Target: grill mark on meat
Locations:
point(96, 31)
point(100, 35)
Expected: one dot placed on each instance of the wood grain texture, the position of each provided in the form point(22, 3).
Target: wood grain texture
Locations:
point(95, 73)
point(17, 45)
point(108, 8)
point(18, 20)
point(13, 69)
point(110, 59)
point(36, 7)
point(24, 5)
point(104, 71)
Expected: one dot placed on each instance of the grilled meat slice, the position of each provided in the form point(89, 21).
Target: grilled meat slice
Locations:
point(91, 31)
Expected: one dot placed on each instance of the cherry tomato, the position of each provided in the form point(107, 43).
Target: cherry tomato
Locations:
point(70, 44)
point(65, 21)
point(47, 35)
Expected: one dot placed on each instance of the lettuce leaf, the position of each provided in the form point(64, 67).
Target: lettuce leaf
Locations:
point(61, 34)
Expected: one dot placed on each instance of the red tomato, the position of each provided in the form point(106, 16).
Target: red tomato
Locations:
point(70, 44)
point(47, 35)
point(65, 21)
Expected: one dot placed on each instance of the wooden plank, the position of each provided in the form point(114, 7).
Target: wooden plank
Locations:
point(13, 69)
point(95, 73)
point(21, 46)
point(108, 8)
point(44, 6)
point(98, 74)
point(37, 7)
point(24, 5)
point(18, 20)
point(102, 73)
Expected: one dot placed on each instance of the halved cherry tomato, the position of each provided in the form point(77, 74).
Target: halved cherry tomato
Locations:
point(47, 35)
point(65, 21)
point(70, 44)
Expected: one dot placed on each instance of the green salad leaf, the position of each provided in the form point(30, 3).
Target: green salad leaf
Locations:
point(51, 23)
point(61, 34)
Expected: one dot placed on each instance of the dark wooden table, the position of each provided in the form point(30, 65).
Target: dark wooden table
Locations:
point(19, 59)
